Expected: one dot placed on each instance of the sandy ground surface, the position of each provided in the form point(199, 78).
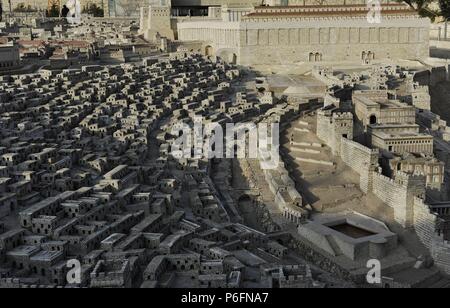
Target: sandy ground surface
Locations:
point(322, 186)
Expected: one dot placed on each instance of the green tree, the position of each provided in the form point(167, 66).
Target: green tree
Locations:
point(93, 9)
point(53, 11)
point(422, 7)
point(21, 8)
point(445, 8)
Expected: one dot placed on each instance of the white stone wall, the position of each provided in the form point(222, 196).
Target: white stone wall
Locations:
point(336, 39)
point(273, 41)
point(361, 159)
point(391, 115)
point(400, 194)
point(440, 251)
point(342, 127)
point(324, 126)
point(331, 127)
point(218, 34)
point(424, 222)
point(156, 20)
point(388, 190)
point(408, 209)
point(425, 227)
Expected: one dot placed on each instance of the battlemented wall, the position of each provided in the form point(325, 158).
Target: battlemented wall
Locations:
point(392, 194)
point(425, 226)
point(334, 126)
point(361, 159)
point(424, 222)
point(218, 34)
point(324, 126)
point(336, 130)
point(440, 251)
point(398, 193)
point(342, 129)
point(404, 194)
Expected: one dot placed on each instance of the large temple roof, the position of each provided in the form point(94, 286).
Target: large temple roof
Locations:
point(328, 10)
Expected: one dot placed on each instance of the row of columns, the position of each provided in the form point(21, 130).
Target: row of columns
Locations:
point(292, 217)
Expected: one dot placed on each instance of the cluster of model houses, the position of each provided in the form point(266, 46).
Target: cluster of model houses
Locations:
point(79, 180)
point(42, 41)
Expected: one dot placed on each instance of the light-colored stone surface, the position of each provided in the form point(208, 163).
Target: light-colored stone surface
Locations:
point(279, 40)
point(287, 35)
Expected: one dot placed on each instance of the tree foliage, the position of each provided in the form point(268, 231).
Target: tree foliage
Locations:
point(53, 11)
point(22, 8)
point(445, 8)
point(422, 7)
point(94, 9)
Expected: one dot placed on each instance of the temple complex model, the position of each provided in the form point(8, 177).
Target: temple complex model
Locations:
point(250, 35)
